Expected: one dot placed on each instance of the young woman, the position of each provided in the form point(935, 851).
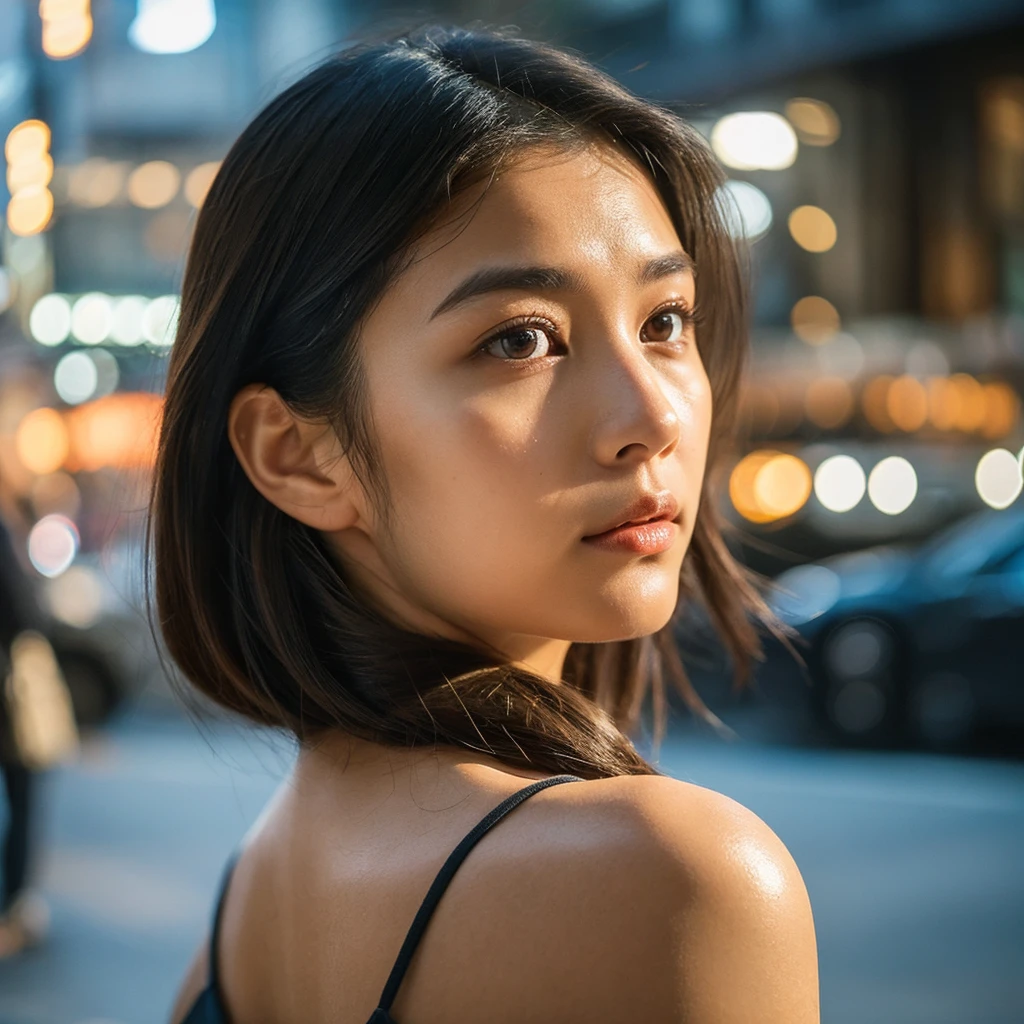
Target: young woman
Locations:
point(460, 336)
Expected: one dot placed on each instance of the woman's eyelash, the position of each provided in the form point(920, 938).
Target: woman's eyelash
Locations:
point(692, 316)
point(517, 324)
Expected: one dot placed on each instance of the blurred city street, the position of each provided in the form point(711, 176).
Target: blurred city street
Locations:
point(912, 863)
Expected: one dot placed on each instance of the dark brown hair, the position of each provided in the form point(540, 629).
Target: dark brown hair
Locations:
point(311, 214)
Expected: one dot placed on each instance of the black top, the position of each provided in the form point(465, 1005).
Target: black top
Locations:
point(209, 1007)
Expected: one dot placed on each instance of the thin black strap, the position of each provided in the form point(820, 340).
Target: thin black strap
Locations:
point(444, 876)
point(213, 981)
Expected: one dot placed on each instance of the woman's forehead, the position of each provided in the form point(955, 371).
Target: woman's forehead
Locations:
point(590, 208)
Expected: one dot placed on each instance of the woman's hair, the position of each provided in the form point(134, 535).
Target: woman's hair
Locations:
point(312, 213)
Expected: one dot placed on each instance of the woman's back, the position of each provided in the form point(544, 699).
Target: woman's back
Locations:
point(577, 907)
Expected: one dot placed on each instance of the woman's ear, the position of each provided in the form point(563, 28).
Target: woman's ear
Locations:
point(296, 464)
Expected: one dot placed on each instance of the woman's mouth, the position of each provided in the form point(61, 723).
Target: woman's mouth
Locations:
point(647, 527)
point(650, 538)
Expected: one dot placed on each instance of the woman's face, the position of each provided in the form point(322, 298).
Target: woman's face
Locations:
point(533, 381)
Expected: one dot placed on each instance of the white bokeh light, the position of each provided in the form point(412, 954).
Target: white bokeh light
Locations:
point(998, 478)
point(840, 483)
point(160, 320)
point(52, 545)
point(126, 321)
point(108, 372)
point(75, 378)
point(892, 485)
point(755, 140)
point(50, 320)
point(91, 318)
point(746, 209)
point(172, 26)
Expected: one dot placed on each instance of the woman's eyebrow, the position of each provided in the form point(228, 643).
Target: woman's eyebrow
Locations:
point(502, 279)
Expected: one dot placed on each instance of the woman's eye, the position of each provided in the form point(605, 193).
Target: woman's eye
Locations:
point(520, 343)
point(668, 326)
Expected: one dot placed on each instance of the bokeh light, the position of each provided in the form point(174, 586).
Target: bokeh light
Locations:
point(75, 378)
point(768, 485)
point(970, 412)
point(52, 545)
point(37, 170)
point(119, 430)
point(41, 441)
point(96, 182)
point(812, 228)
point(50, 320)
point(160, 320)
point(998, 478)
point(892, 485)
point(1002, 410)
point(108, 371)
point(814, 319)
point(172, 26)
point(67, 27)
point(943, 403)
point(829, 402)
point(906, 403)
point(199, 180)
point(76, 596)
point(126, 320)
point(26, 141)
point(816, 123)
point(153, 184)
point(746, 209)
point(782, 486)
point(741, 485)
point(840, 483)
point(874, 402)
point(91, 317)
point(754, 140)
point(30, 210)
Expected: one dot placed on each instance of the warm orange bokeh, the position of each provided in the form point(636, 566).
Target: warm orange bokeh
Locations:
point(874, 400)
point(767, 485)
point(906, 402)
point(41, 441)
point(119, 430)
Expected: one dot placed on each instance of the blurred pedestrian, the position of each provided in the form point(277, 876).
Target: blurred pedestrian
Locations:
point(428, 493)
point(35, 731)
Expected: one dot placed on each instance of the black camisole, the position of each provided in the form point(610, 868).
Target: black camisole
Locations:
point(209, 1007)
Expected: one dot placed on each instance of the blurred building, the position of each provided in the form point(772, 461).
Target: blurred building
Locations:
point(875, 150)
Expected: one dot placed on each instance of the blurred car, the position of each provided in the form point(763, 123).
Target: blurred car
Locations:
point(922, 644)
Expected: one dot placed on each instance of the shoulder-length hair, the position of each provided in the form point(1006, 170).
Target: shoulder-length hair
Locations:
point(308, 219)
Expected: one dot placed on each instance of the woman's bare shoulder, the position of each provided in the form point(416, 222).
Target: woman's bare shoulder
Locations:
point(678, 904)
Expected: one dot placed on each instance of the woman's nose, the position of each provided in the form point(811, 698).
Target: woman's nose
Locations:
point(637, 419)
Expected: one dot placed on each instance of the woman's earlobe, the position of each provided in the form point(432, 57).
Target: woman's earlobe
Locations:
point(296, 464)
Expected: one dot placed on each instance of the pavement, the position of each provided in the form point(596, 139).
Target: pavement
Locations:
point(913, 863)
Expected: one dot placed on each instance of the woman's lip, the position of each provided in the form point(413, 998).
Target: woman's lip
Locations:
point(650, 538)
